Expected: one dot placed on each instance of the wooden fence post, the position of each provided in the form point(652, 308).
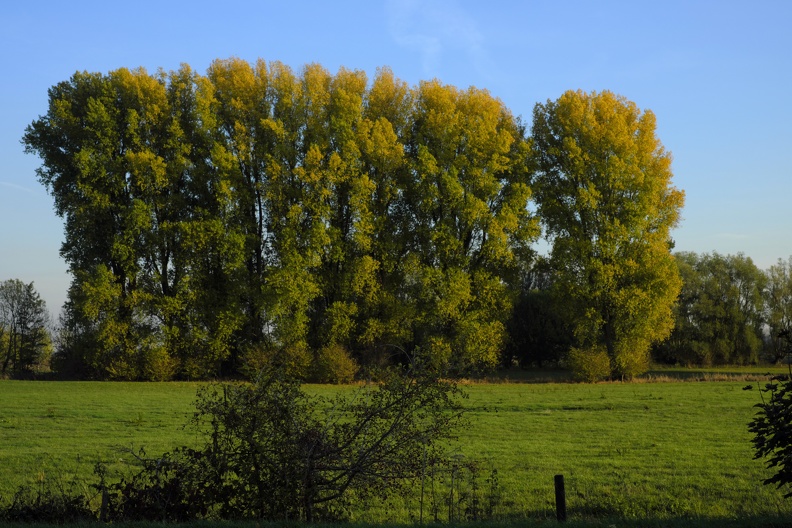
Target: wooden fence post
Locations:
point(560, 497)
point(103, 507)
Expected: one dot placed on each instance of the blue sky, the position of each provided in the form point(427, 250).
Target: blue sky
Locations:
point(717, 74)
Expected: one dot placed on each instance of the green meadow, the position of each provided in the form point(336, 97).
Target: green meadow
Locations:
point(641, 452)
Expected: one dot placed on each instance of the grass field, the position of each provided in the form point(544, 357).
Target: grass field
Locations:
point(643, 452)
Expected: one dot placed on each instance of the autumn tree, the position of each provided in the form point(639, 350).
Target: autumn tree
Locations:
point(80, 144)
point(603, 189)
point(258, 214)
point(130, 160)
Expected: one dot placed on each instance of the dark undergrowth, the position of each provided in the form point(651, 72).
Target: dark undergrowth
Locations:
point(753, 522)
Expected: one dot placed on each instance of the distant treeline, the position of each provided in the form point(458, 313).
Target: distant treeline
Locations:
point(215, 223)
point(729, 312)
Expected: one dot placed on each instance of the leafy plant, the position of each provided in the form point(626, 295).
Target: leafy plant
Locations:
point(604, 192)
point(590, 364)
point(333, 364)
point(274, 452)
point(772, 428)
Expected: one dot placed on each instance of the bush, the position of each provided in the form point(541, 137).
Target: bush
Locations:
point(51, 503)
point(294, 360)
point(772, 428)
point(589, 364)
point(167, 489)
point(158, 365)
point(270, 455)
point(632, 359)
point(273, 452)
point(333, 364)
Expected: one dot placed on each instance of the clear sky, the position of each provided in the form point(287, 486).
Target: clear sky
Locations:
point(718, 75)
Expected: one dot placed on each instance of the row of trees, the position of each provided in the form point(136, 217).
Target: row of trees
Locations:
point(254, 215)
point(728, 312)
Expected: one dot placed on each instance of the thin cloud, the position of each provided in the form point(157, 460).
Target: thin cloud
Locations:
point(16, 187)
point(434, 29)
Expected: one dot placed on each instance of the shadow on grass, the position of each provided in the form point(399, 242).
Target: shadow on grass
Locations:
point(617, 522)
point(655, 375)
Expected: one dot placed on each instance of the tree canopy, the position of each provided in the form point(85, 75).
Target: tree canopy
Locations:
point(602, 185)
point(720, 313)
point(256, 214)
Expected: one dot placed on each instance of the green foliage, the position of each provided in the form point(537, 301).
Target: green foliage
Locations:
point(258, 208)
point(50, 502)
point(273, 452)
point(602, 184)
point(293, 361)
point(159, 365)
point(539, 334)
point(632, 358)
point(778, 308)
point(333, 364)
point(720, 312)
point(590, 364)
point(772, 429)
point(25, 343)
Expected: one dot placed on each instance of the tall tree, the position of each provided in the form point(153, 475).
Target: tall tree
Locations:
point(256, 211)
point(603, 189)
point(130, 160)
point(81, 141)
point(466, 202)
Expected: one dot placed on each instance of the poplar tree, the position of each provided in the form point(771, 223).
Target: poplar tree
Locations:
point(257, 214)
point(603, 188)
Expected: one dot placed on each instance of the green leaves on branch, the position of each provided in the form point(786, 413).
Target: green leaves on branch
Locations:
point(772, 430)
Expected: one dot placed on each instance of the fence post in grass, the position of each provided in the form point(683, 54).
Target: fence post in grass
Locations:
point(423, 479)
point(103, 507)
point(560, 497)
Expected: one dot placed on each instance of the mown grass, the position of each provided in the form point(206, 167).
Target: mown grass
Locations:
point(640, 453)
point(62, 429)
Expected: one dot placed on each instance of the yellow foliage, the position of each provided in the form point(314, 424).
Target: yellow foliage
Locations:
point(333, 364)
point(604, 191)
point(589, 364)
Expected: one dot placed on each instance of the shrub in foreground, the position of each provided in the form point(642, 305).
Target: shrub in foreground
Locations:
point(772, 428)
point(274, 452)
point(48, 503)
